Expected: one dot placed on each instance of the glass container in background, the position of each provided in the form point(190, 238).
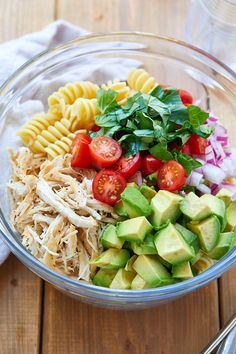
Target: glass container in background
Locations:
point(211, 26)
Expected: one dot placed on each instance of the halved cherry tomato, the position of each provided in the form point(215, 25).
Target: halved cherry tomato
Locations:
point(80, 151)
point(128, 166)
point(104, 151)
point(95, 128)
point(186, 97)
point(150, 164)
point(186, 149)
point(108, 186)
point(171, 176)
point(197, 144)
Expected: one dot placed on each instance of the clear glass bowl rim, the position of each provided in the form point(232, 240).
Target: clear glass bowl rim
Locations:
point(213, 272)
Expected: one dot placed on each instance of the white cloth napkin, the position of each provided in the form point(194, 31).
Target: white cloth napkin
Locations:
point(22, 49)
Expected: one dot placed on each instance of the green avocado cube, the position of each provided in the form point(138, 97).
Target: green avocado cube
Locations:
point(182, 271)
point(208, 232)
point(129, 264)
point(134, 229)
point(194, 208)
point(172, 247)
point(104, 277)
point(223, 246)
point(132, 184)
point(110, 239)
point(151, 271)
point(148, 192)
point(120, 210)
point(231, 216)
point(225, 195)
point(122, 279)
point(145, 247)
point(111, 259)
point(135, 203)
point(165, 206)
point(189, 237)
point(138, 283)
point(217, 207)
point(202, 264)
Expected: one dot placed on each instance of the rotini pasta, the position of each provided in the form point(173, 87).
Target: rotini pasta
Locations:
point(121, 87)
point(81, 114)
point(70, 92)
point(36, 125)
point(62, 146)
point(51, 135)
point(140, 80)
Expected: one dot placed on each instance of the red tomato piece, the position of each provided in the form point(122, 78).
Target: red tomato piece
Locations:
point(186, 97)
point(186, 149)
point(171, 176)
point(108, 186)
point(128, 166)
point(95, 128)
point(197, 144)
point(80, 151)
point(104, 151)
point(150, 164)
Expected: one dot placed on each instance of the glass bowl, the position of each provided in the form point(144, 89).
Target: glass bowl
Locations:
point(102, 57)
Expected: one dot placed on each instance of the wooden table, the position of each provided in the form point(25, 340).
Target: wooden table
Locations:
point(36, 318)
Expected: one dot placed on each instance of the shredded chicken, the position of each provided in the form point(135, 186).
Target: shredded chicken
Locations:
point(55, 212)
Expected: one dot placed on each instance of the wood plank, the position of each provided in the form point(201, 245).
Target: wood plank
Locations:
point(181, 327)
point(20, 303)
point(162, 16)
point(227, 287)
point(18, 17)
point(20, 289)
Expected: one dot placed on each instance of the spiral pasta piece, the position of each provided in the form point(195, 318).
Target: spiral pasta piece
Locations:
point(140, 80)
point(60, 147)
point(121, 87)
point(81, 114)
point(50, 135)
point(36, 125)
point(71, 91)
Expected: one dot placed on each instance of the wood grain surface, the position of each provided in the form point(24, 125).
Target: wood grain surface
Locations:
point(54, 324)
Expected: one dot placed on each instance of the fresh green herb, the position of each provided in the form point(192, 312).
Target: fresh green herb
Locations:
point(187, 162)
point(107, 100)
point(160, 151)
point(196, 116)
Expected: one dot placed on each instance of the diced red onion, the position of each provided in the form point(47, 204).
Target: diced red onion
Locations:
point(213, 173)
point(233, 197)
point(194, 179)
point(204, 189)
point(137, 178)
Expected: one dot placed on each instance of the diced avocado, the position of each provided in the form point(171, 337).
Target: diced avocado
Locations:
point(223, 246)
point(194, 208)
point(145, 247)
point(172, 247)
point(217, 207)
point(122, 279)
point(225, 195)
point(182, 271)
point(134, 229)
point(111, 259)
point(189, 237)
point(120, 209)
point(135, 203)
point(151, 270)
point(110, 239)
point(231, 216)
point(132, 184)
point(165, 206)
point(104, 277)
point(138, 283)
point(202, 264)
point(196, 258)
point(164, 262)
point(148, 192)
point(151, 179)
point(129, 264)
point(208, 232)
